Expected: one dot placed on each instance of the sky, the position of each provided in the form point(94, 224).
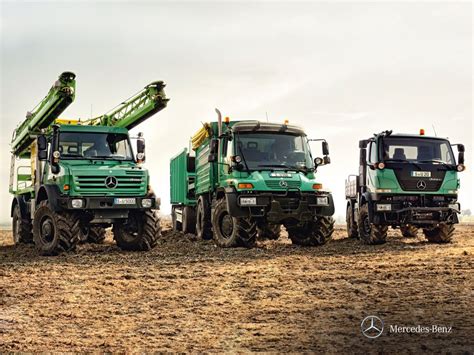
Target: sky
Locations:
point(342, 70)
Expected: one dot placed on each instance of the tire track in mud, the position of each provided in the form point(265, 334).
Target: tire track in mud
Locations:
point(190, 295)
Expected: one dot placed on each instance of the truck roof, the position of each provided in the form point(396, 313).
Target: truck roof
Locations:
point(240, 126)
point(92, 129)
point(409, 135)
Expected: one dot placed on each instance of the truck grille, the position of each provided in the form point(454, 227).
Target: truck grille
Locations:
point(275, 184)
point(127, 184)
point(409, 183)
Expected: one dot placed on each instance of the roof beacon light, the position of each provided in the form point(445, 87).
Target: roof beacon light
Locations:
point(227, 120)
point(422, 132)
point(286, 122)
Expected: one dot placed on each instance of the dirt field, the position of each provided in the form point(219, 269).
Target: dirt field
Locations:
point(188, 295)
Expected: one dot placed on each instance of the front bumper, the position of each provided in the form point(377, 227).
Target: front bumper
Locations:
point(279, 208)
point(418, 211)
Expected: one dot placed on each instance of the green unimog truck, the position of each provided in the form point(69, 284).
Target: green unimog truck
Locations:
point(70, 179)
point(244, 178)
point(405, 181)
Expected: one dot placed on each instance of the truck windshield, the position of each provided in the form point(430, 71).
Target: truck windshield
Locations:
point(421, 150)
point(273, 150)
point(113, 146)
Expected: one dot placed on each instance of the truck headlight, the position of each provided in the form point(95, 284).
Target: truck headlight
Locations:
point(383, 190)
point(322, 200)
point(77, 203)
point(384, 207)
point(454, 206)
point(248, 201)
point(146, 202)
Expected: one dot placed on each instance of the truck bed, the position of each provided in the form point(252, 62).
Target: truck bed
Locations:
point(182, 177)
point(351, 187)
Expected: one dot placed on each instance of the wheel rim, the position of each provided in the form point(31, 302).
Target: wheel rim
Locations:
point(47, 230)
point(226, 224)
point(199, 215)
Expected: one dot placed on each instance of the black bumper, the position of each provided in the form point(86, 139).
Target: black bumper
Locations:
point(418, 216)
point(278, 208)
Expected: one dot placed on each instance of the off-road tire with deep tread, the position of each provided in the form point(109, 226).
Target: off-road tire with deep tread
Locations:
point(370, 233)
point(409, 231)
point(140, 232)
point(441, 234)
point(203, 219)
point(64, 226)
point(240, 231)
point(351, 225)
point(314, 233)
point(189, 220)
point(269, 232)
point(22, 228)
point(96, 235)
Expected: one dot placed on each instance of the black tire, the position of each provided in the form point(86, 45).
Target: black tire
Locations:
point(55, 232)
point(370, 233)
point(269, 232)
point(314, 233)
point(441, 234)
point(140, 232)
point(96, 235)
point(203, 219)
point(176, 225)
point(351, 225)
point(409, 231)
point(232, 231)
point(189, 220)
point(21, 227)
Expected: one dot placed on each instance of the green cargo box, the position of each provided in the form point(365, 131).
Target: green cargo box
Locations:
point(182, 178)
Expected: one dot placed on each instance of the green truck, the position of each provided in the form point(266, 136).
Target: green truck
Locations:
point(241, 179)
point(71, 179)
point(405, 181)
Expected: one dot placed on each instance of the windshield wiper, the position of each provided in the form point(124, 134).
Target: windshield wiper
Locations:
point(400, 160)
point(105, 157)
point(283, 166)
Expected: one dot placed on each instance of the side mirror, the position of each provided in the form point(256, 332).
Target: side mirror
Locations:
point(363, 143)
point(42, 155)
point(363, 157)
point(461, 151)
point(325, 148)
point(327, 160)
point(55, 154)
point(42, 143)
point(140, 148)
point(213, 146)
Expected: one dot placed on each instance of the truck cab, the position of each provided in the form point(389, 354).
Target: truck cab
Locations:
point(405, 181)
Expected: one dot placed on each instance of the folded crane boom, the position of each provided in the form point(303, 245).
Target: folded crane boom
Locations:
point(59, 97)
point(135, 110)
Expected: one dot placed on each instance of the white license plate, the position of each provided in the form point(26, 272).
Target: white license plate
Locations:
point(248, 201)
point(421, 173)
point(322, 200)
point(125, 201)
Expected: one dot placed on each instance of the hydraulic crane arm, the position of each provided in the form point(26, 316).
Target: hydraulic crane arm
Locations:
point(135, 110)
point(59, 97)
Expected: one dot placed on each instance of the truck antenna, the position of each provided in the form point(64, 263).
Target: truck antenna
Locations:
point(266, 114)
point(434, 129)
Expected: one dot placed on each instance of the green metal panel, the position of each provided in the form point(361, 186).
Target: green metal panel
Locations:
point(180, 179)
point(204, 169)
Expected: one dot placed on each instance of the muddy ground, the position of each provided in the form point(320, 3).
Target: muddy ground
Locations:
point(188, 295)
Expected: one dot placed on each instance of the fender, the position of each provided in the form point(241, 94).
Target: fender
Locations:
point(21, 201)
point(367, 198)
point(49, 193)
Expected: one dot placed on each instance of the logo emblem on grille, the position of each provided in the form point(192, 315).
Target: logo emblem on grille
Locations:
point(111, 182)
point(421, 185)
point(283, 183)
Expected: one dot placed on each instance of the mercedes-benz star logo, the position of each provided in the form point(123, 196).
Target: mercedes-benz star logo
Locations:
point(372, 327)
point(283, 183)
point(421, 185)
point(111, 182)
